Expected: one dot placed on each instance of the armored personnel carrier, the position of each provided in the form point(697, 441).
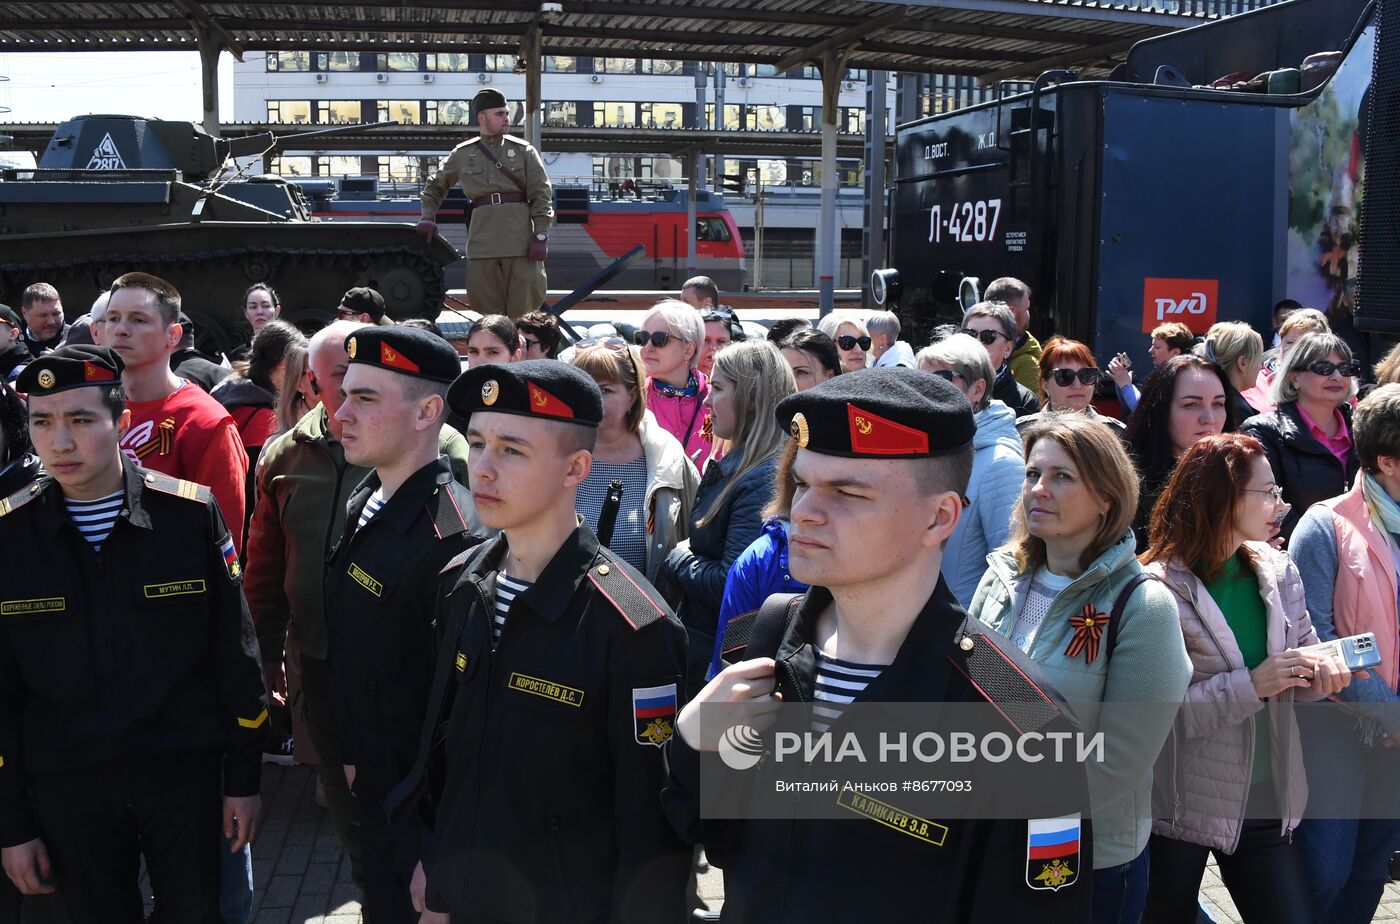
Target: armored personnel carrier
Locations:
point(113, 193)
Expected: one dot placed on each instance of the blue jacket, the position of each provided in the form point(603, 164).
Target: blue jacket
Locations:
point(998, 468)
point(760, 571)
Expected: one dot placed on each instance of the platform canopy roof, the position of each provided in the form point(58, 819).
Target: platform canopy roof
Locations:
point(959, 37)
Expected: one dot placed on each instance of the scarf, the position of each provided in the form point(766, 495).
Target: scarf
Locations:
point(1384, 510)
point(691, 389)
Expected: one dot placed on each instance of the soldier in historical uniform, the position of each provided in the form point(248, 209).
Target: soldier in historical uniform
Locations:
point(878, 463)
point(556, 684)
point(512, 209)
point(405, 521)
point(132, 704)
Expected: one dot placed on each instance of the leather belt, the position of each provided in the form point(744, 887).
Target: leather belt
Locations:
point(497, 198)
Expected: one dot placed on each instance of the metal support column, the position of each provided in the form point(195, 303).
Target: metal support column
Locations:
point(209, 48)
point(694, 165)
point(531, 47)
point(833, 67)
point(872, 255)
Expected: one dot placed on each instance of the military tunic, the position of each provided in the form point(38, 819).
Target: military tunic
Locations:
point(500, 278)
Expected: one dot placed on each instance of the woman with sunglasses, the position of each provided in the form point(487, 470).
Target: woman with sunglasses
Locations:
point(1232, 771)
point(1308, 438)
point(658, 482)
point(994, 326)
point(671, 336)
point(492, 338)
point(851, 336)
point(1068, 375)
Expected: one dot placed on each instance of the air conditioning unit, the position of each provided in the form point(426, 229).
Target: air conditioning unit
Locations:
point(323, 78)
point(850, 85)
point(597, 78)
point(428, 78)
point(482, 78)
point(745, 82)
point(381, 78)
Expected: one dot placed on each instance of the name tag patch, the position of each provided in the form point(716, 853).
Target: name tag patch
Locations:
point(173, 589)
point(930, 832)
point(362, 577)
point(558, 692)
point(35, 605)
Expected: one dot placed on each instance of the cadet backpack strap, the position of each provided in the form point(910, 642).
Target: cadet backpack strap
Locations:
point(760, 633)
point(494, 160)
point(1115, 616)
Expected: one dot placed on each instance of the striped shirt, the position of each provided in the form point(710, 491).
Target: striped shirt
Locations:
point(838, 684)
point(629, 538)
point(507, 589)
point(95, 518)
point(372, 506)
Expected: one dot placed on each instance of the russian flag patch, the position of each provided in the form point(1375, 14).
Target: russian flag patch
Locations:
point(1052, 852)
point(654, 713)
point(230, 557)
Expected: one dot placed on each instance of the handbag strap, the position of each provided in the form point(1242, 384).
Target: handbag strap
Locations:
point(495, 160)
point(1116, 614)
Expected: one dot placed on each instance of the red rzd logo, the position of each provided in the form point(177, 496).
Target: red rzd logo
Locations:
point(1190, 301)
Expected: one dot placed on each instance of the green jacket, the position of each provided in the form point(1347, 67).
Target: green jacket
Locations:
point(1150, 664)
point(303, 485)
point(1025, 363)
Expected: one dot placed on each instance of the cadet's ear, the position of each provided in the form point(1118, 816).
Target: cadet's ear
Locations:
point(123, 425)
point(945, 509)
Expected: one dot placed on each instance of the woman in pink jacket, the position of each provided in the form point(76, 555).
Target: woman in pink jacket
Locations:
point(670, 336)
point(1231, 775)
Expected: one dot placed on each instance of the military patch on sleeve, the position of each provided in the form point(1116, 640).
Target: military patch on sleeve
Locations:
point(1052, 852)
point(230, 557)
point(654, 713)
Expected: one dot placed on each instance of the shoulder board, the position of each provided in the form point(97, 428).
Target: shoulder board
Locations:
point(188, 490)
point(462, 558)
point(446, 511)
point(629, 593)
point(1004, 678)
point(23, 496)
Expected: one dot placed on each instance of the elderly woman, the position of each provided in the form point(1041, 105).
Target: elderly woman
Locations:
point(994, 326)
point(671, 336)
point(852, 339)
point(1297, 325)
point(1308, 438)
point(1065, 574)
point(1346, 549)
point(998, 467)
point(886, 349)
point(659, 483)
point(1068, 374)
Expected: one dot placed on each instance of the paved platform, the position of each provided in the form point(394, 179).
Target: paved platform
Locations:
point(303, 877)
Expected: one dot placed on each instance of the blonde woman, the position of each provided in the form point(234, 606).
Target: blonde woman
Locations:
point(750, 378)
point(1238, 350)
point(1297, 325)
point(852, 339)
point(670, 337)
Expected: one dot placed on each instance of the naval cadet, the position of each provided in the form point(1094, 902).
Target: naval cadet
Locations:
point(403, 523)
point(877, 465)
point(132, 707)
point(512, 209)
point(556, 686)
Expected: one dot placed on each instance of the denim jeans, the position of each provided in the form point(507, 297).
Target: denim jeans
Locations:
point(236, 885)
point(1120, 892)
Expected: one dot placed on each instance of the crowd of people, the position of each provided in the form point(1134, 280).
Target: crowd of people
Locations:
point(487, 585)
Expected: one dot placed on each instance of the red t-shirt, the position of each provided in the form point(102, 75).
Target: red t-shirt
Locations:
point(189, 435)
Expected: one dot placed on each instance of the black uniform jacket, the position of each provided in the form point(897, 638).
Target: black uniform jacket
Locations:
point(145, 648)
point(549, 812)
point(859, 868)
point(381, 592)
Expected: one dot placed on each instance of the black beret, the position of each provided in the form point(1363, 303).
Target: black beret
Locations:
point(531, 388)
point(7, 315)
point(70, 367)
point(487, 98)
point(408, 350)
point(364, 300)
point(891, 413)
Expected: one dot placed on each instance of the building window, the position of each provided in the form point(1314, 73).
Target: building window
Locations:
point(852, 120)
point(663, 67)
point(453, 111)
point(449, 61)
point(398, 61)
point(764, 118)
point(289, 61)
point(765, 70)
point(561, 114)
point(338, 61)
point(293, 166)
point(560, 64)
point(399, 168)
point(662, 115)
point(405, 111)
point(289, 111)
point(337, 111)
point(735, 69)
point(811, 72)
point(857, 73)
point(732, 119)
point(811, 119)
point(615, 115)
point(343, 165)
point(500, 64)
point(614, 65)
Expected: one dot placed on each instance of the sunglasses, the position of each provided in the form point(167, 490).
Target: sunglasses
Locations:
point(946, 375)
point(1324, 368)
point(1065, 377)
point(657, 339)
point(847, 342)
point(346, 314)
point(988, 337)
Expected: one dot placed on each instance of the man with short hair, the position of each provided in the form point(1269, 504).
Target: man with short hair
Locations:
point(304, 482)
point(131, 704)
point(189, 363)
point(13, 350)
point(878, 465)
point(512, 210)
point(1025, 356)
point(44, 329)
point(404, 522)
point(886, 349)
point(565, 668)
point(994, 326)
point(176, 428)
point(700, 293)
point(363, 305)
